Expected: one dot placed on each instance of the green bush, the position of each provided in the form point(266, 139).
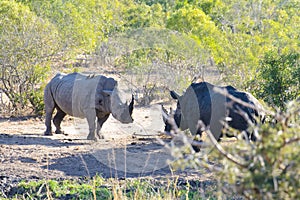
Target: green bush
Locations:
point(271, 169)
point(278, 79)
point(265, 169)
point(82, 23)
point(28, 45)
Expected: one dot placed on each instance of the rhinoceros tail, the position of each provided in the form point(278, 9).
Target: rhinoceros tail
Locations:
point(48, 99)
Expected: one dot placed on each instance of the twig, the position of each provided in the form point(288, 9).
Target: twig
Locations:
point(289, 141)
point(3, 193)
point(170, 120)
point(221, 150)
point(148, 135)
point(244, 115)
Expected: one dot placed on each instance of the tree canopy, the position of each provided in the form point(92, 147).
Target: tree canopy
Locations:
point(236, 35)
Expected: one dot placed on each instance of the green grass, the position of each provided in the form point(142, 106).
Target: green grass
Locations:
point(100, 188)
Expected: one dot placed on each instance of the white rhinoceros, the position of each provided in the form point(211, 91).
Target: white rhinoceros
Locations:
point(87, 97)
point(202, 102)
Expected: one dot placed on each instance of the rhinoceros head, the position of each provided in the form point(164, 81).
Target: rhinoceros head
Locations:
point(109, 99)
point(187, 112)
point(119, 107)
point(176, 114)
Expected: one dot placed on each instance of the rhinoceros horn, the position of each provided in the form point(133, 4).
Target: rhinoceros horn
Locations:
point(131, 105)
point(165, 114)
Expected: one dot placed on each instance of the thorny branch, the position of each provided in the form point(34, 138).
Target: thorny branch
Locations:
point(178, 132)
point(221, 150)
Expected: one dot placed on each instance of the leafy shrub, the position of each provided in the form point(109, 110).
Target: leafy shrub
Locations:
point(271, 169)
point(28, 44)
point(82, 23)
point(278, 79)
point(265, 169)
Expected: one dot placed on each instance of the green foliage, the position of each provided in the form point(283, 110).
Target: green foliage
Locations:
point(28, 43)
point(81, 23)
point(140, 16)
point(265, 169)
point(250, 29)
point(36, 95)
point(194, 21)
point(65, 188)
point(166, 44)
point(278, 79)
point(100, 188)
point(235, 33)
point(70, 18)
point(272, 169)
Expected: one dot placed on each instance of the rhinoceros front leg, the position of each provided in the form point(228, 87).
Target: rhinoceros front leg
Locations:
point(101, 121)
point(91, 119)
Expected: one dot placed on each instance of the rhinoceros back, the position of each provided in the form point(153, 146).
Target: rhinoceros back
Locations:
point(75, 93)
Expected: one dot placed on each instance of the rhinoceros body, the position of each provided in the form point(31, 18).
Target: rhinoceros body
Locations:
point(202, 102)
point(87, 97)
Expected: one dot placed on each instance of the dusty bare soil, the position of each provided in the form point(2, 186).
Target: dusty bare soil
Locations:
point(127, 150)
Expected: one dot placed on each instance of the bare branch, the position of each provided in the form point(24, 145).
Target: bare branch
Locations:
point(221, 150)
point(244, 115)
point(290, 141)
point(177, 132)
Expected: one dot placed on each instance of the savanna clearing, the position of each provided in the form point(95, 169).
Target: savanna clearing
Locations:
point(128, 151)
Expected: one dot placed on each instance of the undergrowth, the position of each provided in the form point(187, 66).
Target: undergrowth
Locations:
point(101, 188)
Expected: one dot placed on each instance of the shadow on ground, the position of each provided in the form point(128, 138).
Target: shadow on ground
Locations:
point(135, 160)
point(35, 139)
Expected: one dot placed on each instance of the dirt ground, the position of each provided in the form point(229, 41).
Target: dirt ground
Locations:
point(127, 150)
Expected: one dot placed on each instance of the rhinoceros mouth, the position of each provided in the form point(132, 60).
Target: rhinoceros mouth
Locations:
point(123, 118)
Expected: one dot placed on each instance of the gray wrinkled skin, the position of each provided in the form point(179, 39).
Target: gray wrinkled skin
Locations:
point(202, 102)
point(90, 97)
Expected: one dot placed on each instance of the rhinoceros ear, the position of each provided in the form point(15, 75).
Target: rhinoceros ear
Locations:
point(174, 95)
point(229, 88)
point(109, 84)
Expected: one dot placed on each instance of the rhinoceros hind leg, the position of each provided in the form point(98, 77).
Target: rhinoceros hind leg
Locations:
point(101, 137)
point(48, 122)
point(49, 108)
point(58, 119)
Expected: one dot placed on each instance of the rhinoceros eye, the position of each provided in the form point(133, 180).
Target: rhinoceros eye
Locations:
point(101, 102)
